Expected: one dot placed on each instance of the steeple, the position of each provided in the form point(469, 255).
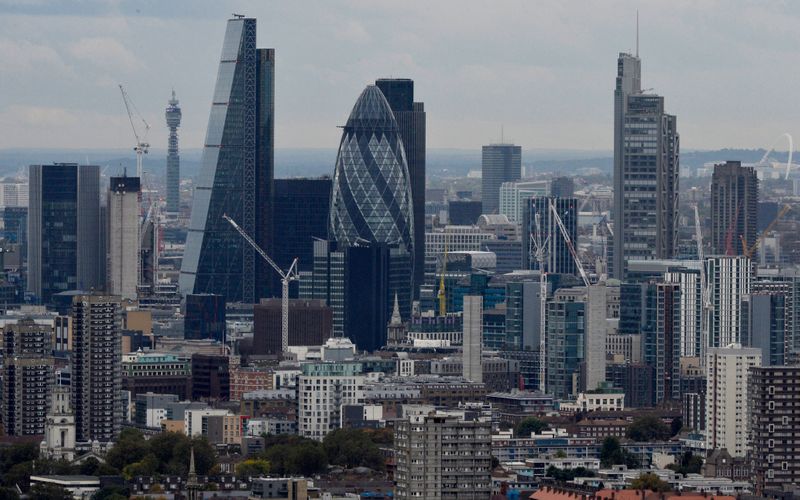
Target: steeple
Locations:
point(192, 485)
point(396, 319)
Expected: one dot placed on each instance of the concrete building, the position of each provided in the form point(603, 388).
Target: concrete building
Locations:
point(596, 326)
point(150, 409)
point(310, 323)
point(96, 367)
point(322, 390)
point(28, 375)
point(566, 336)
point(734, 208)
point(774, 396)
point(159, 373)
point(123, 236)
point(628, 346)
point(443, 455)
point(727, 373)
point(728, 281)
point(500, 163)
point(514, 196)
point(691, 310)
point(193, 419)
point(646, 165)
point(473, 338)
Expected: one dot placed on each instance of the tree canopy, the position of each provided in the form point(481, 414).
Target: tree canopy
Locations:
point(351, 448)
point(612, 453)
point(164, 454)
point(529, 425)
point(649, 429)
point(649, 481)
point(689, 463)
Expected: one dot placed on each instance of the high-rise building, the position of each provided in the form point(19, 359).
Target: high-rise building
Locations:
point(173, 116)
point(410, 117)
point(767, 324)
point(646, 149)
point(323, 389)
point(371, 220)
point(472, 338)
point(300, 214)
point(204, 317)
point(235, 175)
point(500, 163)
point(774, 396)
point(661, 330)
point(310, 323)
point(596, 325)
point(427, 468)
point(566, 335)
point(28, 375)
point(96, 367)
point(691, 322)
point(514, 197)
point(558, 257)
point(727, 370)
point(326, 281)
point(562, 187)
point(734, 208)
point(463, 212)
point(64, 230)
point(728, 282)
point(123, 236)
point(211, 376)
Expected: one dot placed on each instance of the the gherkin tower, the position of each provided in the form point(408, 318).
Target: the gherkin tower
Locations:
point(371, 200)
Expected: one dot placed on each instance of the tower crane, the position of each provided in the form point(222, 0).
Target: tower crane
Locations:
point(568, 241)
point(539, 245)
point(142, 146)
point(751, 250)
point(288, 276)
point(442, 295)
point(704, 292)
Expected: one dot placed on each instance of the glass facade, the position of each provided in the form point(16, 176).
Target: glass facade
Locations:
point(559, 259)
point(236, 175)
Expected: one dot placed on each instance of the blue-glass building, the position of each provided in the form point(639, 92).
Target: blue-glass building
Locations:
point(236, 175)
point(558, 258)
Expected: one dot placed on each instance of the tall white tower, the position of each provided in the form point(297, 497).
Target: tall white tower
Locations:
point(59, 433)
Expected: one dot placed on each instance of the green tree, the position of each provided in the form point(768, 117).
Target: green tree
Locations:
point(112, 493)
point(612, 453)
point(131, 447)
point(8, 494)
point(147, 466)
point(648, 429)
point(254, 467)
point(688, 463)
point(565, 475)
point(529, 425)
point(649, 481)
point(48, 492)
point(352, 448)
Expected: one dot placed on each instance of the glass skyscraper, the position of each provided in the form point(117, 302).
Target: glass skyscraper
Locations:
point(236, 175)
point(500, 163)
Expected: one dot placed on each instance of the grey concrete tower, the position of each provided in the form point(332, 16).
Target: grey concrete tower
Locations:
point(734, 208)
point(173, 116)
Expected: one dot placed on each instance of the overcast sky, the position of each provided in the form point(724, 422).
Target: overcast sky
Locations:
point(543, 69)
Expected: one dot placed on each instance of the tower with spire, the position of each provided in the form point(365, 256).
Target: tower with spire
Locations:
point(192, 484)
point(396, 331)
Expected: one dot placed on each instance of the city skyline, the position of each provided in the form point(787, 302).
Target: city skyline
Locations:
point(552, 64)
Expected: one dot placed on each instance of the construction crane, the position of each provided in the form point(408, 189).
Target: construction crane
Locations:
point(539, 245)
point(729, 235)
point(286, 277)
point(748, 252)
point(142, 146)
point(568, 241)
point(704, 292)
point(442, 295)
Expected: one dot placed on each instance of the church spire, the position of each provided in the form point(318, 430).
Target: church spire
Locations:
point(396, 319)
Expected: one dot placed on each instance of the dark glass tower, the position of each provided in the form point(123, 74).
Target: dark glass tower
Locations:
point(173, 116)
point(734, 208)
point(64, 230)
point(559, 259)
point(410, 117)
point(236, 175)
point(499, 163)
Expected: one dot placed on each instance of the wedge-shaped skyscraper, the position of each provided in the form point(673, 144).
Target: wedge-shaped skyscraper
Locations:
point(371, 200)
point(236, 174)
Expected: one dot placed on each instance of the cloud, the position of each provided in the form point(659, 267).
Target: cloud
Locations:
point(24, 56)
point(105, 52)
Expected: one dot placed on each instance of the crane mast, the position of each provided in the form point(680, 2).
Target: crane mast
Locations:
point(568, 241)
point(142, 146)
point(539, 244)
point(286, 277)
point(442, 295)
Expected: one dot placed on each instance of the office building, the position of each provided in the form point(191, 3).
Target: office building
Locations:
point(310, 324)
point(508, 253)
point(28, 375)
point(153, 372)
point(64, 230)
point(473, 338)
point(173, 117)
point(538, 219)
point(463, 212)
point(204, 317)
point(151, 408)
point(727, 373)
point(500, 163)
point(235, 175)
point(728, 281)
point(427, 468)
point(661, 331)
point(562, 187)
point(514, 196)
point(300, 215)
point(123, 236)
point(595, 344)
point(211, 377)
point(13, 193)
point(734, 208)
point(566, 335)
point(15, 226)
point(774, 396)
point(323, 388)
point(410, 117)
point(646, 164)
point(96, 367)
point(767, 325)
point(326, 281)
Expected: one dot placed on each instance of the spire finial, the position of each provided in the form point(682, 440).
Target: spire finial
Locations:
point(396, 319)
point(637, 32)
point(192, 479)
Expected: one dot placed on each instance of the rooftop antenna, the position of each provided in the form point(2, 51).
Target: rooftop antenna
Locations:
point(501, 134)
point(637, 32)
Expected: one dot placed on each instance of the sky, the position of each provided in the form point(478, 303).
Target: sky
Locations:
point(542, 70)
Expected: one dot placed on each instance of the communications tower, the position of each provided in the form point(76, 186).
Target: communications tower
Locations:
point(173, 115)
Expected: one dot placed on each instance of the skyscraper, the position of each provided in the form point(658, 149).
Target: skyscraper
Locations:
point(558, 257)
point(123, 236)
point(371, 220)
point(173, 116)
point(410, 117)
point(472, 338)
point(661, 329)
point(236, 175)
point(734, 208)
point(27, 377)
point(646, 147)
point(500, 163)
point(728, 282)
point(64, 229)
point(96, 367)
